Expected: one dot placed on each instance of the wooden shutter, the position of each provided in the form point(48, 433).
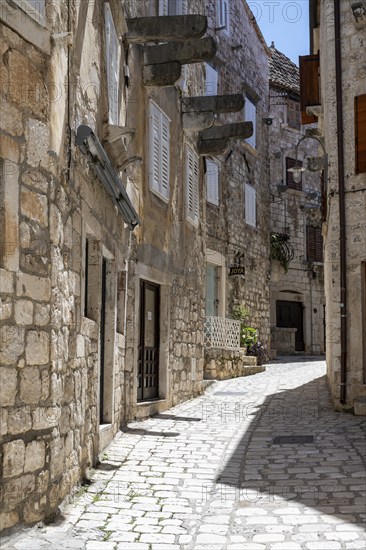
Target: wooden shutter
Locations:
point(192, 172)
point(310, 243)
point(159, 151)
point(112, 61)
point(250, 115)
point(309, 86)
point(360, 133)
point(212, 181)
point(318, 245)
point(163, 7)
point(212, 79)
point(223, 13)
point(290, 163)
point(250, 205)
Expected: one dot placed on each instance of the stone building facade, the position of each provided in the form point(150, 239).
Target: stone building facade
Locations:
point(297, 295)
point(237, 254)
point(103, 217)
point(338, 98)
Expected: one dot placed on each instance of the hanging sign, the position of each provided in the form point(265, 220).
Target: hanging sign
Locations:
point(236, 270)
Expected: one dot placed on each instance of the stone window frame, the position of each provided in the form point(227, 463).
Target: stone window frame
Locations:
point(26, 21)
point(211, 78)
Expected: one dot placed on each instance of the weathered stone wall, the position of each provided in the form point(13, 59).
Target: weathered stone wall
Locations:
point(242, 65)
point(222, 364)
point(353, 84)
point(50, 201)
point(291, 211)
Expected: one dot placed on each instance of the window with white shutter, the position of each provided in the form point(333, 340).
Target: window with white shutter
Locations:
point(250, 115)
point(192, 182)
point(212, 182)
point(212, 79)
point(250, 205)
point(159, 151)
point(223, 14)
point(113, 61)
point(172, 7)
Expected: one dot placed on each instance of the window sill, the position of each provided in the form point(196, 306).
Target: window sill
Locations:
point(253, 151)
point(29, 27)
point(159, 195)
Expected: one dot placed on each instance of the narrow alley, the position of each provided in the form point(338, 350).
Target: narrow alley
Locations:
point(256, 463)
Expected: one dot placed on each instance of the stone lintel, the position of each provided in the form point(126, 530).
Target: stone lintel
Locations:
point(193, 50)
point(212, 146)
point(165, 74)
point(176, 27)
point(216, 103)
point(228, 131)
point(198, 121)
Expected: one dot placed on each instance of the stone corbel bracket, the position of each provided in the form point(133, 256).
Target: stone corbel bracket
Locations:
point(200, 112)
point(118, 138)
point(214, 140)
point(182, 45)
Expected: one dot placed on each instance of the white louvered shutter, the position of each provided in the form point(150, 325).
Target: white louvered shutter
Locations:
point(192, 174)
point(250, 205)
point(212, 79)
point(223, 14)
point(250, 111)
point(112, 59)
point(163, 7)
point(212, 181)
point(159, 151)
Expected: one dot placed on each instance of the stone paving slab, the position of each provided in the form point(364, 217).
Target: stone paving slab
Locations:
point(206, 475)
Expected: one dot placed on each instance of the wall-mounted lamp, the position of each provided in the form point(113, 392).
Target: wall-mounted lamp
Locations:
point(314, 163)
point(359, 11)
point(90, 146)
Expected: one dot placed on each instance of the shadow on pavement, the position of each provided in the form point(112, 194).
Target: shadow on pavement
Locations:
point(327, 474)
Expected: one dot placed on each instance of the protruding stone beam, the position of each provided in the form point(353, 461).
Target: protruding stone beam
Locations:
point(214, 140)
point(195, 122)
point(235, 130)
point(190, 51)
point(215, 103)
point(177, 27)
point(165, 74)
point(212, 146)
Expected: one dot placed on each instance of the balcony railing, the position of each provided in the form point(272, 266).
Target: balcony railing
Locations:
point(222, 333)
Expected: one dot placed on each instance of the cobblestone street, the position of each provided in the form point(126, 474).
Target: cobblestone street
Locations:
point(210, 475)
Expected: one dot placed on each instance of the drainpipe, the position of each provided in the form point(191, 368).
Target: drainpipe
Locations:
point(341, 191)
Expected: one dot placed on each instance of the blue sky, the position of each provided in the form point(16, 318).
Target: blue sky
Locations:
point(285, 22)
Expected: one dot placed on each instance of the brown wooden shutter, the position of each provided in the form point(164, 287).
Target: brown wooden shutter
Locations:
point(318, 244)
point(310, 243)
point(360, 133)
point(309, 86)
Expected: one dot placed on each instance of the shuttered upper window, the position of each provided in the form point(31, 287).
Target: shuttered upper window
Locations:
point(172, 7)
point(290, 163)
point(159, 151)
point(293, 114)
point(112, 61)
point(309, 86)
point(314, 244)
point(250, 205)
point(360, 133)
point(212, 182)
point(192, 182)
point(250, 115)
point(223, 14)
point(212, 79)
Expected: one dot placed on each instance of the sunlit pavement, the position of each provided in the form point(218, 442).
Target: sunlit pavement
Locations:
point(209, 474)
